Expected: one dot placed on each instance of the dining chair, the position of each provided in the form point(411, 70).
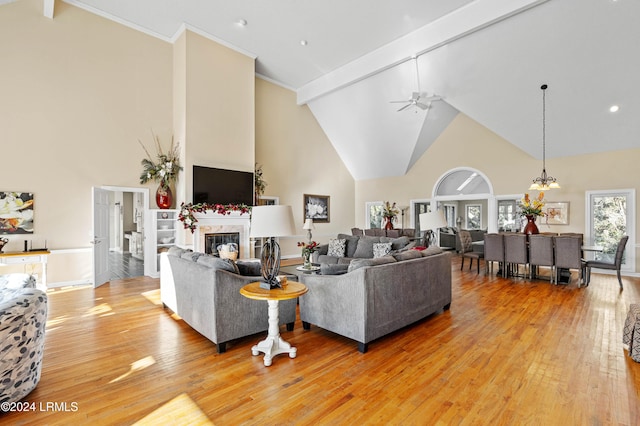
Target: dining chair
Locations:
point(541, 254)
point(617, 263)
point(467, 250)
point(515, 251)
point(569, 256)
point(494, 252)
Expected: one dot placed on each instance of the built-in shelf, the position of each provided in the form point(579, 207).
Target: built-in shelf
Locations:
point(162, 231)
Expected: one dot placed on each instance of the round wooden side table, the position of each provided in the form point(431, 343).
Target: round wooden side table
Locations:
point(274, 344)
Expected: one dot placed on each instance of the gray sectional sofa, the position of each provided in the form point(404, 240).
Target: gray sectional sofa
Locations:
point(359, 247)
point(374, 297)
point(205, 292)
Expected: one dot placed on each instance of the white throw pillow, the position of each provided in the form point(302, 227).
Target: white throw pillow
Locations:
point(337, 247)
point(381, 249)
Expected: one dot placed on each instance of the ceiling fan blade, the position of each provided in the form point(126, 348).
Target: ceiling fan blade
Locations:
point(404, 107)
point(421, 105)
point(432, 98)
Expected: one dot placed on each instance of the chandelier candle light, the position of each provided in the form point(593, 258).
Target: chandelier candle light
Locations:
point(544, 182)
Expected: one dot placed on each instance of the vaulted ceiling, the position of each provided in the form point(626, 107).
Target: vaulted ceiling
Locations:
point(485, 58)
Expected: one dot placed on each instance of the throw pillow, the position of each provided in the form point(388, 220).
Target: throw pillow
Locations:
point(337, 247)
point(217, 263)
point(396, 243)
point(249, 269)
point(352, 243)
point(430, 251)
point(365, 247)
point(362, 263)
point(191, 255)
point(381, 249)
point(337, 269)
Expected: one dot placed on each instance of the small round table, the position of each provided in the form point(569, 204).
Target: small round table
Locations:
point(273, 344)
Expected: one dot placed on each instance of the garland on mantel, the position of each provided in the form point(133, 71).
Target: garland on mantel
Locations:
point(189, 220)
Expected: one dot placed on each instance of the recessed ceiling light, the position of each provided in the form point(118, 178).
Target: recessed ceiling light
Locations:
point(303, 42)
point(242, 22)
point(614, 108)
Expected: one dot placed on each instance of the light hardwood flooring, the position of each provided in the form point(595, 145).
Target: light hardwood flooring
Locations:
point(508, 352)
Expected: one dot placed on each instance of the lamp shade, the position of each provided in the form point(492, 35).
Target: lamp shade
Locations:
point(432, 220)
point(271, 221)
point(308, 224)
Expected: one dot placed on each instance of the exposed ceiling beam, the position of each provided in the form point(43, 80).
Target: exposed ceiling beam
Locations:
point(460, 23)
point(49, 5)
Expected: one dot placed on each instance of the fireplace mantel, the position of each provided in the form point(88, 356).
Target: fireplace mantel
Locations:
point(212, 223)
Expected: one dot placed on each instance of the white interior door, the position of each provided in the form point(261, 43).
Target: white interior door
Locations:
point(100, 236)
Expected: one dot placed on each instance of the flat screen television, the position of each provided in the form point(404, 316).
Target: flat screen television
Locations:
point(221, 186)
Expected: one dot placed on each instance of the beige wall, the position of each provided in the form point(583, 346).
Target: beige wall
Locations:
point(297, 159)
point(77, 94)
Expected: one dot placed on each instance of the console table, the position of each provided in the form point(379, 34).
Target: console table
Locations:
point(273, 344)
point(27, 257)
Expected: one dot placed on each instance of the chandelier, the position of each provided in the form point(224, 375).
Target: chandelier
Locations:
point(544, 182)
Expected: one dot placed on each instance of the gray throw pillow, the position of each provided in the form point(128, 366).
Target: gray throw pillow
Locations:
point(191, 255)
point(381, 249)
point(218, 263)
point(352, 243)
point(430, 251)
point(337, 269)
point(362, 263)
point(365, 247)
point(337, 247)
point(407, 255)
point(396, 243)
point(249, 269)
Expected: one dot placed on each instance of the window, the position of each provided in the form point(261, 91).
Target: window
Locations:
point(508, 216)
point(473, 217)
point(611, 215)
point(373, 214)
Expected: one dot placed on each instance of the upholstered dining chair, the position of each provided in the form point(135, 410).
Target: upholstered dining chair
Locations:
point(515, 251)
point(569, 255)
point(494, 251)
point(617, 263)
point(541, 254)
point(467, 250)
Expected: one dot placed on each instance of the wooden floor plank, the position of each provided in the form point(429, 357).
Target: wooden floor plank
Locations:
point(509, 351)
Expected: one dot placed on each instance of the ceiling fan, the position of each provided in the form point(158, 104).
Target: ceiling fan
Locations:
point(416, 99)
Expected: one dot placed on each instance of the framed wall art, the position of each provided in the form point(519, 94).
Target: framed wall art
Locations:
point(557, 213)
point(16, 213)
point(316, 207)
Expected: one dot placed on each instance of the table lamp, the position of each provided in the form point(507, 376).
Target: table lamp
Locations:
point(308, 225)
point(431, 221)
point(270, 222)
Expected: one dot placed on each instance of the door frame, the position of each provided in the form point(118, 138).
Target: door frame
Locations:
point(145, 203)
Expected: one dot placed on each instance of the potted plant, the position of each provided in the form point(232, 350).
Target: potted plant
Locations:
point(389, 213)
point(163, 169)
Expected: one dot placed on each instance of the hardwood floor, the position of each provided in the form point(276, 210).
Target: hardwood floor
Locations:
point(509, 351)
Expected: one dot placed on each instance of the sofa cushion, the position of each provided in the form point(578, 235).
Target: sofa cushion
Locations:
point(337, 247)
point(407, 255)
point(326, 259)
point(352, 243)
point(396, 243)
point(365, 247)
point(362, 263)
point(191, 255)
point(337, 269)
point(249, 269)
point(217, 263)
point(381, 249)
point(430, 251)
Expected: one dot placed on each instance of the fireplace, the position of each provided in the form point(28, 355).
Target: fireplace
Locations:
point(212, 223)
point(212, 241)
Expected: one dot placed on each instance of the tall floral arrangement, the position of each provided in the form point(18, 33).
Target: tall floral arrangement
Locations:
point(390, 211)
point(164, 167)
point(533, 207)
